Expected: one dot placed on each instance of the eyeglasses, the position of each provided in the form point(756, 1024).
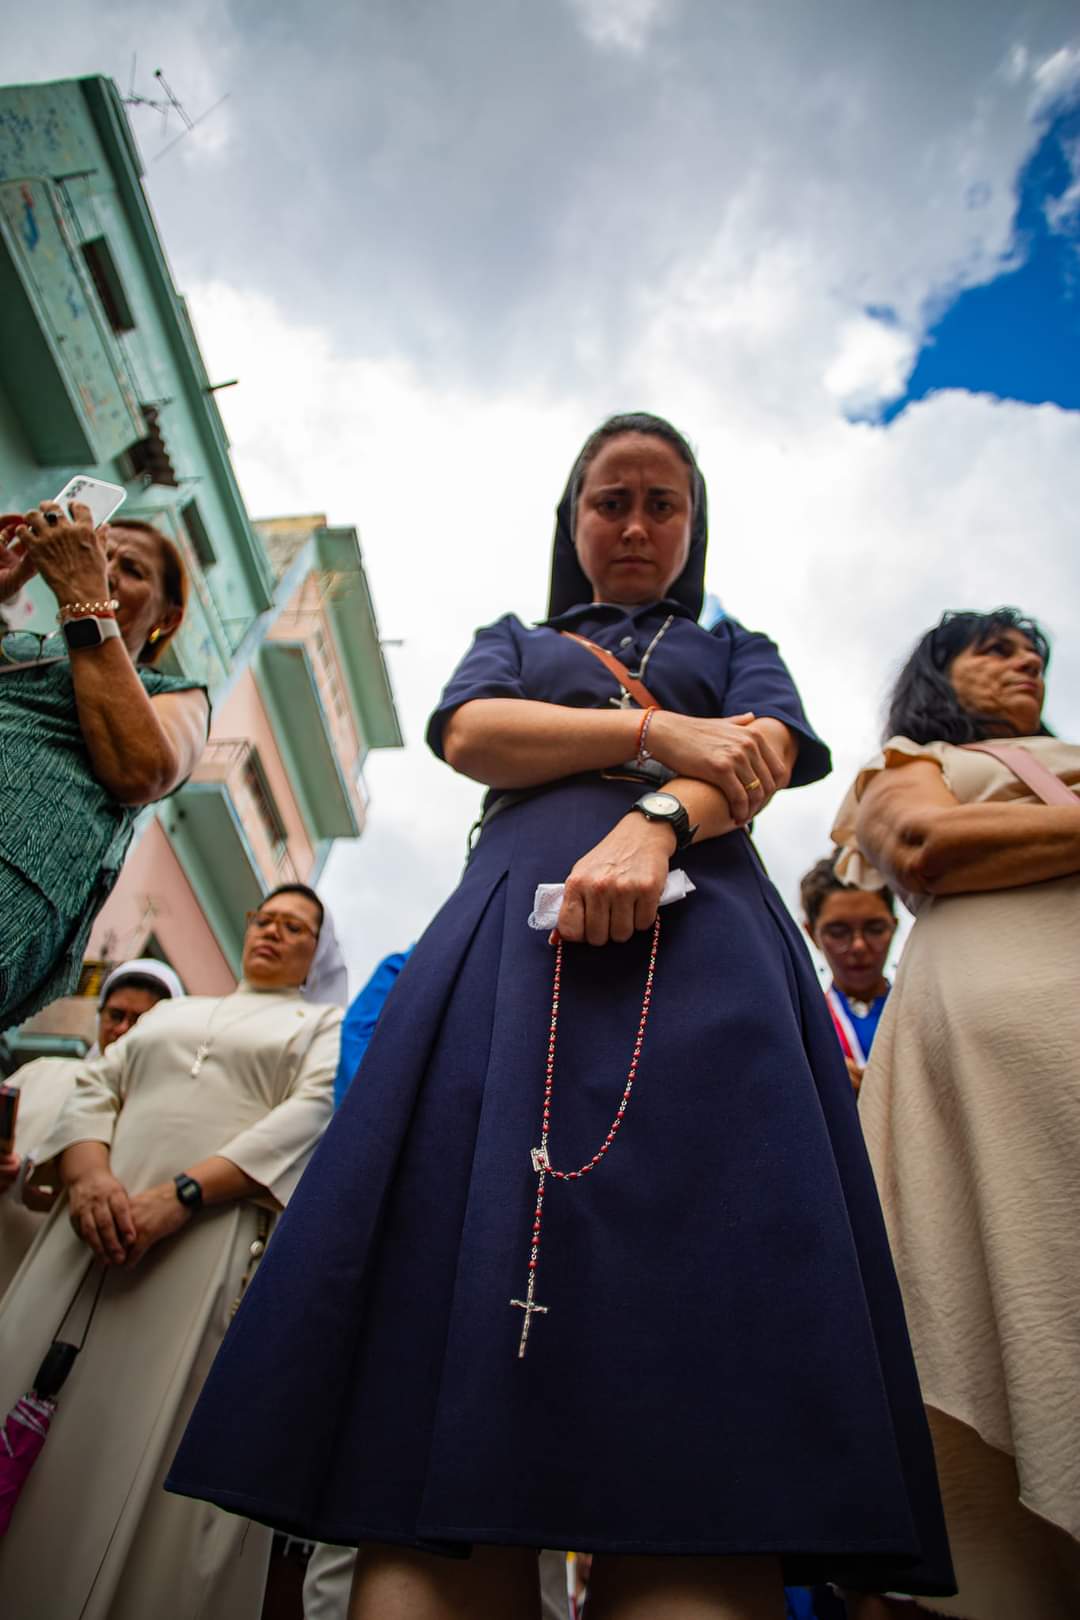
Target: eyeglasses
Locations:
point(290, 926)
point(29, 646)
point(873, 932)
point(118, 1015)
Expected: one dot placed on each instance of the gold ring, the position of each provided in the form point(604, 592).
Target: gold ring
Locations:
point(750, 786)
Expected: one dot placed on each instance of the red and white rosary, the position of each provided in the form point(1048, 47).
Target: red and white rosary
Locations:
point(541, 1163)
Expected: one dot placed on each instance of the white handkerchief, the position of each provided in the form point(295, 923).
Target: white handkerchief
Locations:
point(547, 900)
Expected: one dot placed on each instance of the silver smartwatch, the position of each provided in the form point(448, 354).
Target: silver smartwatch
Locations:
point(89, 631)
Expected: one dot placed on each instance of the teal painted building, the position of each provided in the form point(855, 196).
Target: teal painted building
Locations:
point(99, 368)
point(100, 373)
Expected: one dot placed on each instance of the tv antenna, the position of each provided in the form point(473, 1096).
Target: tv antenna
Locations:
point(166, 103)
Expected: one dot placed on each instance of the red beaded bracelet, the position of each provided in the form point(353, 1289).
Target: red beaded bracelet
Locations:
point(642, 753)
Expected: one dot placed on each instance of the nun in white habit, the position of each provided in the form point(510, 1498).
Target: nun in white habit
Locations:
point(176, 1149)
point(45, 1085)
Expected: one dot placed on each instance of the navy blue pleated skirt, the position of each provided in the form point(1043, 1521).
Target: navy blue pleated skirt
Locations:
point(723, 1367)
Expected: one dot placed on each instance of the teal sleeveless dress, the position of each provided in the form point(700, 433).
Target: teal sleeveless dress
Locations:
point(62, 838)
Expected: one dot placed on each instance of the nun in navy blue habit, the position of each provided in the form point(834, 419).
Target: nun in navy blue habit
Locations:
point(699, 1353)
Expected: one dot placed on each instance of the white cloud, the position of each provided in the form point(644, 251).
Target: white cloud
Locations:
point(844, 541)
point(871, 367)
point(437, 244)
point(622, 25)
point(1016, 62)
point(1055, 78)
point(1062, 211)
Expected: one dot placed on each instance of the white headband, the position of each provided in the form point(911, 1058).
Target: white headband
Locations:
point(141, 967)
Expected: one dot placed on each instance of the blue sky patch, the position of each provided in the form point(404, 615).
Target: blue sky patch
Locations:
point(1018, 336)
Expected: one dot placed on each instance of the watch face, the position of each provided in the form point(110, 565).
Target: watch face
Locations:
point(660, 804)
point(82, 633)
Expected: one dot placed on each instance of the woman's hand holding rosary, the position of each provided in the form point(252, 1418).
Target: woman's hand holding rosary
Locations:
point(726, 774)
point(615, 888)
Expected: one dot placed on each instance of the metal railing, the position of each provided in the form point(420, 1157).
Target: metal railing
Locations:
point(233, 762)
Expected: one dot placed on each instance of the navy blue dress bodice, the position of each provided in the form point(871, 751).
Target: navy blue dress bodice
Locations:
point(707, 673)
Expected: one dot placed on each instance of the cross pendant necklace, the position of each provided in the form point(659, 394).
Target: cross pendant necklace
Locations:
point(624, 700)
point(528, 1304)
point(202, 1051)
point(541, 1162)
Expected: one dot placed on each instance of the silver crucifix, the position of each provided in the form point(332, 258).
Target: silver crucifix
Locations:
point(531, 1309)
point(541, 1165)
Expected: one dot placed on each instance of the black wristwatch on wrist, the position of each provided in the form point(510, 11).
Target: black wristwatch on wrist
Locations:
point(666, 807)
point(189, 1192)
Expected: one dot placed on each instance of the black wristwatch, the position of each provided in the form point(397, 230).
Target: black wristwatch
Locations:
point(666, 807)
point(189, 1193)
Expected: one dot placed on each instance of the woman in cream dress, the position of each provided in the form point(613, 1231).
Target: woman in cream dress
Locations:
point(227, 1097)
point(971, 1101)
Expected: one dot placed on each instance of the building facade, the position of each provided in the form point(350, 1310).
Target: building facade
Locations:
point(100, 373)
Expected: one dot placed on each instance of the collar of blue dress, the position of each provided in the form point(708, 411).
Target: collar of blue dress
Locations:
point(615, 611)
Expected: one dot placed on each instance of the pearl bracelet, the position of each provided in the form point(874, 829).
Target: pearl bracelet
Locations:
point(84, 610)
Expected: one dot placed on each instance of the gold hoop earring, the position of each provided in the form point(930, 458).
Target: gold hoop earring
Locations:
point(155, 635)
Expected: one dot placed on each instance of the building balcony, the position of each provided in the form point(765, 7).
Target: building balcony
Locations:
point(294, 692)
point(229, 837)
point(61, 364)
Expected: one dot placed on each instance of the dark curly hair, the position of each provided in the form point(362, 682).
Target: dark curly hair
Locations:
point(924, 705)
point(816, 886)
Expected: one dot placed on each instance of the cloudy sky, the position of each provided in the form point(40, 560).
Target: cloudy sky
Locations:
point(437, 240)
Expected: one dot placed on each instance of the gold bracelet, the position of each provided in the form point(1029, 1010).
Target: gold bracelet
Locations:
point(83, 610)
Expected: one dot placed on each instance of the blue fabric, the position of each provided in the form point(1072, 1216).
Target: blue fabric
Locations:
point(723, 1366)
point(819, 1603)
point(358, 1025)
point(865, 1028)
point(800, 1603)
point(723, 671)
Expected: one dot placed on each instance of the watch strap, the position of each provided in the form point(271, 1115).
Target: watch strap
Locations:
point(189, 1192)
point(678, 820)
point(75, 633)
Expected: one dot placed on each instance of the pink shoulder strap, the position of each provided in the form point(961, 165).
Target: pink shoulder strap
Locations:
point(1042, 782)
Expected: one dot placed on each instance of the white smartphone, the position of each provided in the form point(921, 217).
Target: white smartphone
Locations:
point(102, 499)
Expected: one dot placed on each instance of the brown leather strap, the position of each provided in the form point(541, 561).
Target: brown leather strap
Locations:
point(1042, 782)
point(614, 666)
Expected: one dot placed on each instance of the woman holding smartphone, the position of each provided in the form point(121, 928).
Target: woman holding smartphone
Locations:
point(90, 732)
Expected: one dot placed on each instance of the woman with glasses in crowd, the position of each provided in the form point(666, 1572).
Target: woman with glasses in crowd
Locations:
point(970, 1105)
point(44, 1086)
point(853, 929)
point(89, 733)
point(176, 1150)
